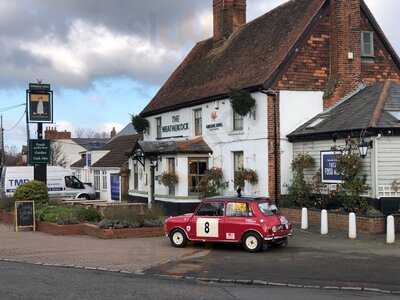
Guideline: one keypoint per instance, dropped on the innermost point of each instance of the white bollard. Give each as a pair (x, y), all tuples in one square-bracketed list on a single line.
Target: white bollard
[(324, 222), (352, 226), (304, 219), (390, 234)]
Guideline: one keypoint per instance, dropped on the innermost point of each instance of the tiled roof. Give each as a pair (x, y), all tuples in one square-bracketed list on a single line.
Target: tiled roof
[(119, 149), (367, 109), (90, 143), (248, 59), (78, 164), (195, 146)]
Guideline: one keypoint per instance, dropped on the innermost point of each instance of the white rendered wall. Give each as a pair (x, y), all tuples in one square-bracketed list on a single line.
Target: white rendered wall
[(296, 108), (252, 140)]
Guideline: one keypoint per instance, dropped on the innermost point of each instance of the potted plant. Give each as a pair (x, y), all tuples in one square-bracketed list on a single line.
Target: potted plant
[(245, 175)]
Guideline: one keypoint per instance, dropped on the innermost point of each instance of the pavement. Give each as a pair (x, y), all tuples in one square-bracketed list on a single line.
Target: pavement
[(122, 254), (323, 263), (24, 281)]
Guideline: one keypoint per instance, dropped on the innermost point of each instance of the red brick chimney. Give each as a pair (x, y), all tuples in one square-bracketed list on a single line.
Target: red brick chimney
[(345, 49), (229, 15), (51, 133)]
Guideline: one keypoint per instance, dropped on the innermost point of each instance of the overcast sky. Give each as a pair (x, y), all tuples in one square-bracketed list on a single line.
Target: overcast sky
[(106, 59)]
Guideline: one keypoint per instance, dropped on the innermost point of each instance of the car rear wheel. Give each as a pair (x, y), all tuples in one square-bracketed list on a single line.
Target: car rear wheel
[(178, 238), (252, 242)]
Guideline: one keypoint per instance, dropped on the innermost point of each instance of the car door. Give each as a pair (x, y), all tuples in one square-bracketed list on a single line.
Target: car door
[(238, 218), (207, 222)]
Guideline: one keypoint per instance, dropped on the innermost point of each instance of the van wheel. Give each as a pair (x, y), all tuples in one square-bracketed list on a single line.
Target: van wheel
[(84, 197), (178, 238), (252, 242)]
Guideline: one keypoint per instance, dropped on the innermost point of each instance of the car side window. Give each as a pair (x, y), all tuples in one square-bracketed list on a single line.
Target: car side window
[(238, 209), (211, 209)]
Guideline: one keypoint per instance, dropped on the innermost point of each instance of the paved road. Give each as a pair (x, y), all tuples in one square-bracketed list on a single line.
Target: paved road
[(309, 260), (25, 281)]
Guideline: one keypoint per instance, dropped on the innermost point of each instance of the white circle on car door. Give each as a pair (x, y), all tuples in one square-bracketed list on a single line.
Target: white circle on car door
[(207, 227)]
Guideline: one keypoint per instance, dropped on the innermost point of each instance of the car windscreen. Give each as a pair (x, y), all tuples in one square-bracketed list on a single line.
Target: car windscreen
[(268, 208)]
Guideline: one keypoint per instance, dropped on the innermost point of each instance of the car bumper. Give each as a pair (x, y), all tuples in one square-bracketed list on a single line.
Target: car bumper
[(278, 237)]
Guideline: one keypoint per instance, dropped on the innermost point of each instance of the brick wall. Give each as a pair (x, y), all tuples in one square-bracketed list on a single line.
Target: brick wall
[(273, 146)]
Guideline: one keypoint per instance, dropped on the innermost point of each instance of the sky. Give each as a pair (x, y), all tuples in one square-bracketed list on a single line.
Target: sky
[(105, 59)]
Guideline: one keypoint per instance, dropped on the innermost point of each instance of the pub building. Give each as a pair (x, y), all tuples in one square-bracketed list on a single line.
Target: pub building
[(296, 61)]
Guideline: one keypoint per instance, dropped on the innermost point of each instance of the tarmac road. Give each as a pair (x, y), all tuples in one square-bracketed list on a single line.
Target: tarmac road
[(310, 259), (26, 281)]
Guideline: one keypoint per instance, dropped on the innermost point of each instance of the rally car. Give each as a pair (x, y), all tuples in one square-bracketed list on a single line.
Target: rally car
[(248, 221)]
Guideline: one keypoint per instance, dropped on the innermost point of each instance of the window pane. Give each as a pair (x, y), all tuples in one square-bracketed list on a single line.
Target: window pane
[(197, 170), (211, 210), (367, 43), (238, 161), (104, 179), (237, 209), (237, 121)]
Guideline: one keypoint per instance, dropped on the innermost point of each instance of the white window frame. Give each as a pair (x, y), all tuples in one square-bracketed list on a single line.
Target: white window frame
[(104, 181), (96, 180), (236, 120), (198, 121), (367, 52)]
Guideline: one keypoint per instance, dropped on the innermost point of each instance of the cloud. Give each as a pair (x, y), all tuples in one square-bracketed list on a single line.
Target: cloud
[(72, 43)]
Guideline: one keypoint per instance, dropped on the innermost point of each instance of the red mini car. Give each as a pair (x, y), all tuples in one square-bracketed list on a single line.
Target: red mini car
[(249, 221)]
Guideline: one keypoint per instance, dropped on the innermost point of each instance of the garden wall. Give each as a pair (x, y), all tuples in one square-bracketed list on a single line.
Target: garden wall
[(88, 229), (338, 221)]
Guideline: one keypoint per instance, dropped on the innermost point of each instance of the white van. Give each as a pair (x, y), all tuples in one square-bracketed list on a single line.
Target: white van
[(60, 183)]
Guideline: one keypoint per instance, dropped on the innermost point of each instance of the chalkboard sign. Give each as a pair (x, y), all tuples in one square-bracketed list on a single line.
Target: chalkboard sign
[(25, 215)]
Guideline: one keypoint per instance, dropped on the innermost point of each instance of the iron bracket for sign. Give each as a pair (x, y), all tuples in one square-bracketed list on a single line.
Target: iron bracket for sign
[(140, 159)]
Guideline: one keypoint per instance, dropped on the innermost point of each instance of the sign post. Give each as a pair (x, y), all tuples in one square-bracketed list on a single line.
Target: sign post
[(39, 105)]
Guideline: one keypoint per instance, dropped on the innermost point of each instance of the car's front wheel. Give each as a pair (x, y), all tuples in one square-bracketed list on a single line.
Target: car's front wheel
[(178, 238), (252, 242)]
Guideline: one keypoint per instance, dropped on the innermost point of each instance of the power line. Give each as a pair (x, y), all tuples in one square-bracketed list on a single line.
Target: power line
[(16, 124), (3, 109)]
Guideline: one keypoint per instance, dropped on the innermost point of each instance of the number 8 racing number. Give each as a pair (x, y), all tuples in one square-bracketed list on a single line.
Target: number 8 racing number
[(207, 227)]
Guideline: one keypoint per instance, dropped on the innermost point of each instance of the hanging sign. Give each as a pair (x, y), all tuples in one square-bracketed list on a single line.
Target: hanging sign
[(328, 167), (25, 215), (40, 103)]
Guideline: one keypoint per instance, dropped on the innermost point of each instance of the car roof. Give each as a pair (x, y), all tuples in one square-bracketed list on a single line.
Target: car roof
[(233, 198)]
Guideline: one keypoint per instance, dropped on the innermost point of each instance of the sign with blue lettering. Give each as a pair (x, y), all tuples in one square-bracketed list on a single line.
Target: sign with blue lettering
[(329, 172)]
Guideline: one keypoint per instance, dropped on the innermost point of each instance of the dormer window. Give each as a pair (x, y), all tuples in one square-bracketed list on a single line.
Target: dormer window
[(315, 123), (367, 44)]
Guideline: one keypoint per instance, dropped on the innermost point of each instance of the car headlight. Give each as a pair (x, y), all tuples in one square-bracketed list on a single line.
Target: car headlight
[(274, 229)]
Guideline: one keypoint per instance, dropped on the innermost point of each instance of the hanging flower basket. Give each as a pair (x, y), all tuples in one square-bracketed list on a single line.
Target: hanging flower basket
[(169, 179), (242, 102), (244, 175), (212, 183), (140, 123)]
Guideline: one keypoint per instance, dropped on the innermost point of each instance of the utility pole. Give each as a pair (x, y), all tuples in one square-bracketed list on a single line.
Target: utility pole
[(2, 143)]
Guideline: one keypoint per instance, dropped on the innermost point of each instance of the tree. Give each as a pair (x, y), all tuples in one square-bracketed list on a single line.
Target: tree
[(90, 133), (57, 156)]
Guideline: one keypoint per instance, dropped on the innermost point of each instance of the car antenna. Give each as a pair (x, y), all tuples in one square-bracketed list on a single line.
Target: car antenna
[(239, 192)]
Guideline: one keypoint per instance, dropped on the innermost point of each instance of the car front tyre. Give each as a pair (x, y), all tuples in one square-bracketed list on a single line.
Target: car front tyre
[(178, 238), (252, 242)]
